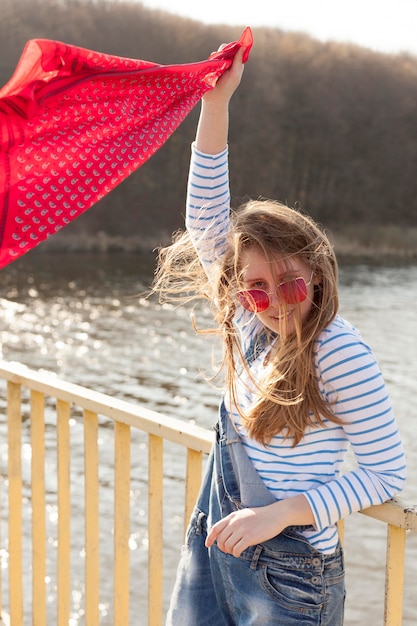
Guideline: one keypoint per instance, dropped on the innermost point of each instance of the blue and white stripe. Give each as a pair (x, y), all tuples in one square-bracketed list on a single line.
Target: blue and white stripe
[(349, 379)]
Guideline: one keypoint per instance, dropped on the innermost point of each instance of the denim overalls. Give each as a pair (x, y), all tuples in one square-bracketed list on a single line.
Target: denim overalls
[(283, 581)]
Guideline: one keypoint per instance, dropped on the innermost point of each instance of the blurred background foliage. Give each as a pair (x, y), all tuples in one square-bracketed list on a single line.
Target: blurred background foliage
[(328, 127)]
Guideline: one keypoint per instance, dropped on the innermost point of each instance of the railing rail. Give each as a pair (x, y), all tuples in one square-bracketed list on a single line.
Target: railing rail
[(29, 395)]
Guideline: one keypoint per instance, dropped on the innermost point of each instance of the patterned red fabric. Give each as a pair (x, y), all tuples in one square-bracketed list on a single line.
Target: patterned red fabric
[(74, 123)]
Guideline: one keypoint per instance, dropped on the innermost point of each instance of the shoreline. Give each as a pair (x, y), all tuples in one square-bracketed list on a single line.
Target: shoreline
[(381, 249)]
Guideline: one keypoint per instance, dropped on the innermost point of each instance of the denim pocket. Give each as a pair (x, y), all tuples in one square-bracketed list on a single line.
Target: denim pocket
[(297, 591)]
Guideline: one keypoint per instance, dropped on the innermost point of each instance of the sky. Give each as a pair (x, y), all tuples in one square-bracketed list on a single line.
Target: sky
[(385, 25)]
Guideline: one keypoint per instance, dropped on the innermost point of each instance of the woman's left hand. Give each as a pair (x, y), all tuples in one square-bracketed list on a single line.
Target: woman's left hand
[(244, 528), (248, 527)]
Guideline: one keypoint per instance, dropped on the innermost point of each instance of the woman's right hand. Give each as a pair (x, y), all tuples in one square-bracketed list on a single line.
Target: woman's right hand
[(229, 81), (213, 125)]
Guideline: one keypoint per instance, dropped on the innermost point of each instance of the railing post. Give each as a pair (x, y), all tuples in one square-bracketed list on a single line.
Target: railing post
[(341, 531), (64, 514), (155, 531), (121, 523), (15, 502), (91, 519), (192, 482), (394, 576), (38, 508)]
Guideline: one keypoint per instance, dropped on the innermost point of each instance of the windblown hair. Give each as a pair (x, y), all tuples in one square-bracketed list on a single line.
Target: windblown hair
[(289, 399)]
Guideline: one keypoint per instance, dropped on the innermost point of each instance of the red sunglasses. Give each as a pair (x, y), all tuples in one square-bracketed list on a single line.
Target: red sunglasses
[(290, 292)]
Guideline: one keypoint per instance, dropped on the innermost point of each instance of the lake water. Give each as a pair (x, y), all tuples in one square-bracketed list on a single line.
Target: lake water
[(84, 318)]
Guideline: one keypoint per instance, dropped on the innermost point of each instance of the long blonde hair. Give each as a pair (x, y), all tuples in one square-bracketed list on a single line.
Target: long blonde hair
[(289, 399)]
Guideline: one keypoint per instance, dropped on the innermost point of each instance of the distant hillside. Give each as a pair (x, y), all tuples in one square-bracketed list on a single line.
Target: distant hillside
[(330, 127)]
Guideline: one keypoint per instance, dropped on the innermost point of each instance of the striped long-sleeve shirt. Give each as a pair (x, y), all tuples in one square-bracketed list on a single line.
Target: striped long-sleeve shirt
[(348, 378)]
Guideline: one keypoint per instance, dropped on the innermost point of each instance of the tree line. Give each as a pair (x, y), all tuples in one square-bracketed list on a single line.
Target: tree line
[(328, 127)]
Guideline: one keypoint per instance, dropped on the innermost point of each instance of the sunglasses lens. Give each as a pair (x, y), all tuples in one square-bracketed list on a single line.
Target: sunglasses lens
[(254, 300), (257, 301), (293, 291)]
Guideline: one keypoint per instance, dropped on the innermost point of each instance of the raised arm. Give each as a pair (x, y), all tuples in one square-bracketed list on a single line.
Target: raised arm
[(208, 196)]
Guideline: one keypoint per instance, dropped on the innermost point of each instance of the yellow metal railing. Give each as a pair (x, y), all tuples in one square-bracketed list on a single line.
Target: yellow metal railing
[(41, 412)]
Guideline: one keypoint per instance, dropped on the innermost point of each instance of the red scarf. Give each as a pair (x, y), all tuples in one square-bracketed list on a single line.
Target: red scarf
[(74, 123)]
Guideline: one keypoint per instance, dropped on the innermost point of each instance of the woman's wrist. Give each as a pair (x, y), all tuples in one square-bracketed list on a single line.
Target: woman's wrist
[(295, 511)]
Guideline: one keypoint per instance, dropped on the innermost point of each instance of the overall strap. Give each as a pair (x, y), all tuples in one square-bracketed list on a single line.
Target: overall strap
[(257, 344)]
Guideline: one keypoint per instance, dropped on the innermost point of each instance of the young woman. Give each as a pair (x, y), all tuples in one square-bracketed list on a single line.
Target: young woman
[(300, 386)]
